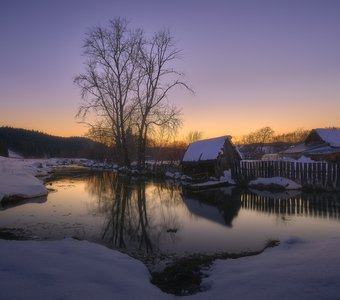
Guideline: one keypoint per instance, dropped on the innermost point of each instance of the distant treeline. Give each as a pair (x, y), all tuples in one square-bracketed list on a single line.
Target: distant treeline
[(35, 144)]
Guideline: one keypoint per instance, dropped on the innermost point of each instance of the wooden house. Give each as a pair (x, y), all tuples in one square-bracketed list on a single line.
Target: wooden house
[(210, 157), (320, 144)]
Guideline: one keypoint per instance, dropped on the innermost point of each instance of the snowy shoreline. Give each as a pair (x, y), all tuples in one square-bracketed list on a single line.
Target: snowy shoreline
[(23, 178), (72, 269)]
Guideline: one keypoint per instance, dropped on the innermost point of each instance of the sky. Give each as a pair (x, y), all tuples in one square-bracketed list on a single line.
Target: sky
[(251, 63)]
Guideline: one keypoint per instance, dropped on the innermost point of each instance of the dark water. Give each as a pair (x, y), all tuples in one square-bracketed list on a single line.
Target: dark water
[(160, 217)]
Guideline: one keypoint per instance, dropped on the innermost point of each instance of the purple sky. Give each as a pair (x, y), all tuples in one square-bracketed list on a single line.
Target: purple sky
[(251, 63)]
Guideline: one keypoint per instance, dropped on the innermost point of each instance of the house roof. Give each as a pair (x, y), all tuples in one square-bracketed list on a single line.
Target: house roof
[(323, 151), (330, 136), (205, 149), (300, 148), (330, 140)]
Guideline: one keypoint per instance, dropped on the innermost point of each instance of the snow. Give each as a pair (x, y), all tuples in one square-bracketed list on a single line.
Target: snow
[(302, 159), (18, 179), (214, 182), (227, 177), (205, 149), (330, 136), (13, 154), (175, 175), (296, 269), (18, 176), (281, 181), (206, 184), (71, 269)]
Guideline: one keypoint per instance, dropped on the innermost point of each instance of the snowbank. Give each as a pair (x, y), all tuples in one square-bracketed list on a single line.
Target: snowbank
[(71, 269), (277, 181), (13, 154), (295, 270), (17, 178)]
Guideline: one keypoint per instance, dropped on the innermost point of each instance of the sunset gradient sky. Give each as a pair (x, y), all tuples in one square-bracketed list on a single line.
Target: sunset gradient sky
[(251, 63)]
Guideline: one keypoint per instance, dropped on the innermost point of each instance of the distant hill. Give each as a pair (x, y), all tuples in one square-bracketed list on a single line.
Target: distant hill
[(35, 144)]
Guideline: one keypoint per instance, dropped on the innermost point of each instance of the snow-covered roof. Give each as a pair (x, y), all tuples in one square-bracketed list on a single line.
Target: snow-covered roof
[(330, 136), (299, 148), (205, 149), (323, 151)]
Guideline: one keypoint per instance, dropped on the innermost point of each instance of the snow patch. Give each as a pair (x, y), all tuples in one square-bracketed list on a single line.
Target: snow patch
[(13, 154), (280, 181), (70, 269), (227, 177), (17, 179)]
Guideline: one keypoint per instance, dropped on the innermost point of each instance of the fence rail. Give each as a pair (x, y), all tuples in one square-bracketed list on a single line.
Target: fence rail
[(318, 175)]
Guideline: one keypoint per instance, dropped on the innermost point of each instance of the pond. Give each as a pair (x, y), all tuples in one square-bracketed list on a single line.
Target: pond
[(161, 217)]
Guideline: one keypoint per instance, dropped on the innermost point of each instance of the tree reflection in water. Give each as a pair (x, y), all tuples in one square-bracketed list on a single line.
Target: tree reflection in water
[(137, 214), (159, 217)]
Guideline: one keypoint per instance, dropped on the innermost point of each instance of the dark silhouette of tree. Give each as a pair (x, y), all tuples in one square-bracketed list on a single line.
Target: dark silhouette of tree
[(107, 84), (156, 78), (194, 136), (125, 86)]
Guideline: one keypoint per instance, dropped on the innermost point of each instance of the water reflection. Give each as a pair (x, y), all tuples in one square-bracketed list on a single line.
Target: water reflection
[(6, 204), (143, 216), (220, 205), (130, 220), (315, 205), (161, 217)]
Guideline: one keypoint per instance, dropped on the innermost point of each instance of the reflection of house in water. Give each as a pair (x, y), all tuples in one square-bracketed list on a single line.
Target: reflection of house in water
[(316, 204), (203, 210), (217, 205)]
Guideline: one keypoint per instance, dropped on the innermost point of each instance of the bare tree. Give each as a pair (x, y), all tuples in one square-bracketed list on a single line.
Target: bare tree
[(106, 86), (155, 80), (256, 140), (260, 136), (100, 132), (297, 136), (126, 85), (194, 136)]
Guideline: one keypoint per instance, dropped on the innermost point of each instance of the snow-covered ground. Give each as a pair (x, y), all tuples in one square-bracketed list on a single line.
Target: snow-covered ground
[(71, 269), (17, 178)]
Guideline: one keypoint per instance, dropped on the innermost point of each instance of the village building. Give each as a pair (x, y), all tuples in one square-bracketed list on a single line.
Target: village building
[(321, 144), (210, 157)]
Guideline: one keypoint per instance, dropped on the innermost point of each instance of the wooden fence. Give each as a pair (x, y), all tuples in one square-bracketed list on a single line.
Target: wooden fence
[(316, 175)]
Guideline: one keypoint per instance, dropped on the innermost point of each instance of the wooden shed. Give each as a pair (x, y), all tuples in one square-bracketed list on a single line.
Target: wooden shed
[(320, 144), (210, 157)]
